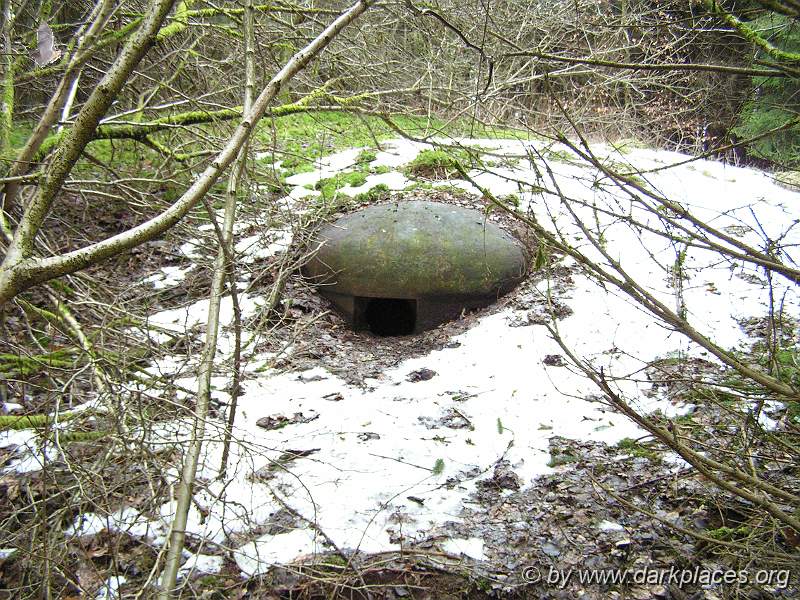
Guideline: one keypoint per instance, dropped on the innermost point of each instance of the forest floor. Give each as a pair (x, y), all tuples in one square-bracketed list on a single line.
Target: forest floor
[(473, 460)]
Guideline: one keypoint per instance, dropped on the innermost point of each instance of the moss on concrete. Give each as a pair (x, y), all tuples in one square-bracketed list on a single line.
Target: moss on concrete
[(417, 250)]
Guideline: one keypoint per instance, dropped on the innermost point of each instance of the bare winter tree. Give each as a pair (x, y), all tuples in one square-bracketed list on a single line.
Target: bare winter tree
[(131, 51), (148, 108), (20, 269)]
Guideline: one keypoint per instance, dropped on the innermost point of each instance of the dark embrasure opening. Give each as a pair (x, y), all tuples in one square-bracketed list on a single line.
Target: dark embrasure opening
[(386, 316)]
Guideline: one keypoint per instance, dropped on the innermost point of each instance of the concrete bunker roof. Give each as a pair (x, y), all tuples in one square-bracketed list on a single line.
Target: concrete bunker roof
[(405, 266)]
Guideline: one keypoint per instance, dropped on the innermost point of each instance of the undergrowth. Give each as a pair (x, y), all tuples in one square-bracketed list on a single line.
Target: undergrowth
[(438, 164), (298, 140)]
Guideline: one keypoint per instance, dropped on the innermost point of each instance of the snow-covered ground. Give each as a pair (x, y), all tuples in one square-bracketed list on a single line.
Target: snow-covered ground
[(353, 457)]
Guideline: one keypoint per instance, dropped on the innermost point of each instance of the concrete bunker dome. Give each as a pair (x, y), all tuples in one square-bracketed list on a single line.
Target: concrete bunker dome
[(404, 267)]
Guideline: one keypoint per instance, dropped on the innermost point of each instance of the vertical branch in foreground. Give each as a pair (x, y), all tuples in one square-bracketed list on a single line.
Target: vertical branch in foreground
[(230, 208), (7, 85), (192, 455), (223, 266)]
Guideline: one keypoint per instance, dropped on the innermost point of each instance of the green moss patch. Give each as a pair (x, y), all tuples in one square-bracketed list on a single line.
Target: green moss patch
[(438, 164), (330, 185), (561, 458), (375, 194), (365, 157), (14, 365)]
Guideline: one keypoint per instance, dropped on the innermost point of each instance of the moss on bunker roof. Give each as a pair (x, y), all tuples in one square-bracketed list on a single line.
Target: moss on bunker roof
[(416, 249)]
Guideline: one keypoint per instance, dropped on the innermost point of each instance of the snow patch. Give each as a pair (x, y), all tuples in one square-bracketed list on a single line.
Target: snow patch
[(201, 563), (471, 547), (110, 588), (610, 526), (365, 468), (167, 277), (256, 557)]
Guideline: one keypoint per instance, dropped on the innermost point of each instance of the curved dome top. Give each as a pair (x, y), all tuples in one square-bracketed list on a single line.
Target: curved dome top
[(416, 249)]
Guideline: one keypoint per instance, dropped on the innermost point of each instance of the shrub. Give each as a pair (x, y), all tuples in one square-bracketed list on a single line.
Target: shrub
[(774, 100)]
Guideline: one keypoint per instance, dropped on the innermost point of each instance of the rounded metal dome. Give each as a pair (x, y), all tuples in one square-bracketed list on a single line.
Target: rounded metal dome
[(446, 257)]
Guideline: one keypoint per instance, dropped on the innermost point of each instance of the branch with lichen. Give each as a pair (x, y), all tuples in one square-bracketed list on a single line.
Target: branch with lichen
[(15, 422), (142, 132), (7, 92), (179, 23), (752, 36)]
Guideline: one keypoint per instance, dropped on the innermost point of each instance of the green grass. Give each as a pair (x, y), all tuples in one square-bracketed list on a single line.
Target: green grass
[(300, 139), (303, 138), (120, 155), (116, 152), (627, 145), (330, 185), (418, 185), (296, 163), (559, 155)]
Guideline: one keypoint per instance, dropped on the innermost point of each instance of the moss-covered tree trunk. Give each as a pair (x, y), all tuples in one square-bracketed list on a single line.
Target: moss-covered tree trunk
[(7, 91)]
